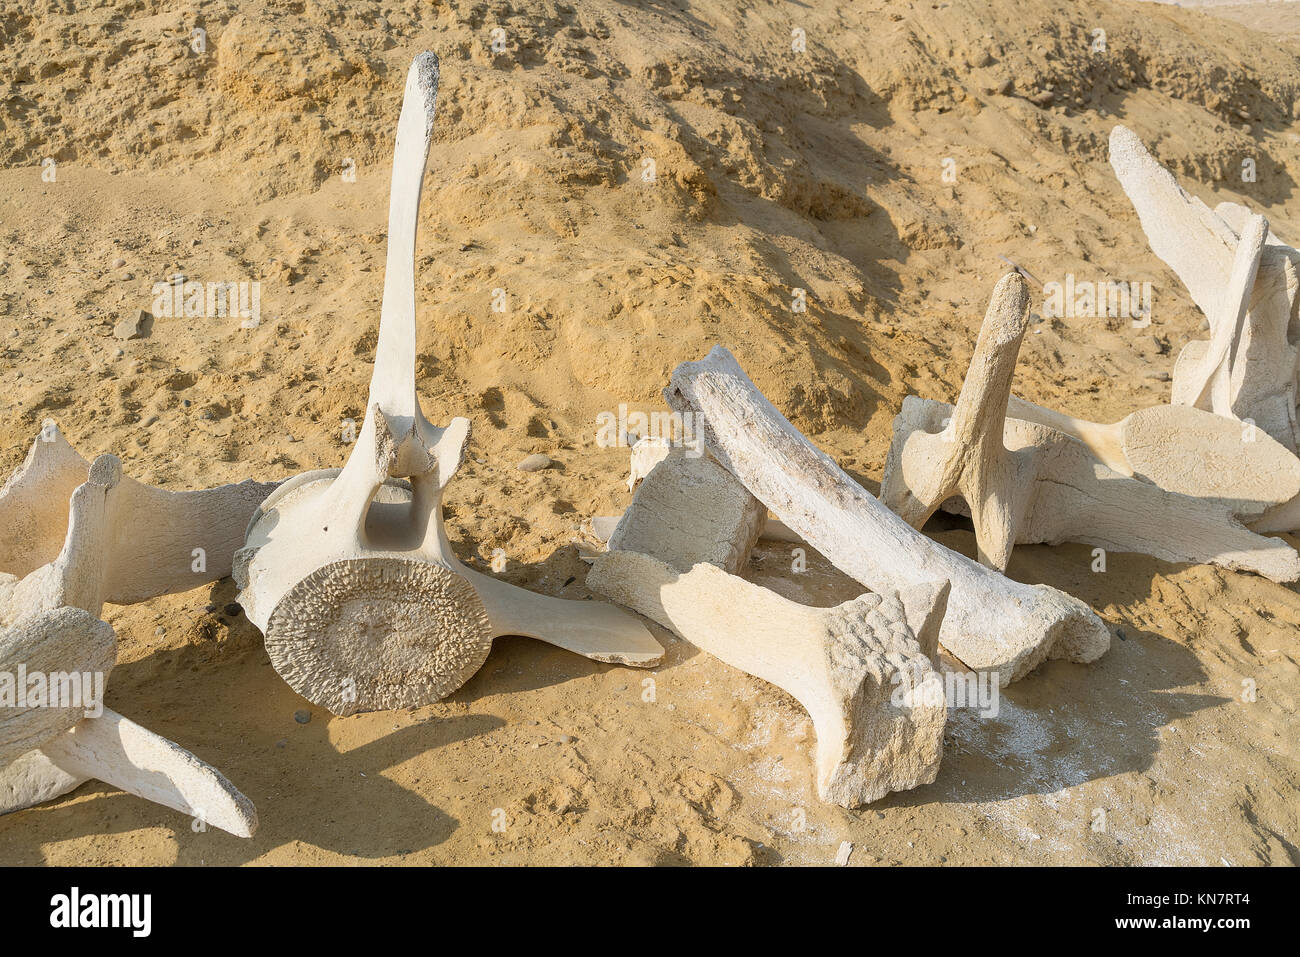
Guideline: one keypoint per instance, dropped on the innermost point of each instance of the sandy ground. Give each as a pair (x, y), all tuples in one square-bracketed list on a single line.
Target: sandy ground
[(775, 170)]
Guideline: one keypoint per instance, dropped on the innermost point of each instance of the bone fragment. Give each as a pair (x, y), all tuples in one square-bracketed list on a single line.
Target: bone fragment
[(690, 510), (993, 624), (1024, 482), (875, 700)]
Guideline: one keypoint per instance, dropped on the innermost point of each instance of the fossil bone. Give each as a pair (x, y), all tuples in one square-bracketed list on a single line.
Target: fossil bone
[(1024, 482), (689, 510), (1185, 450), (1246, 287), (157, 542), (117, 751), (646, 454), (773, 530), (876, 703), (993, 624), (49, 625), (349, 573)]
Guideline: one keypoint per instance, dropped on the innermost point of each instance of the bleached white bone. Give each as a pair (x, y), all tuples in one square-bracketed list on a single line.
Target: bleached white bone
[(993, 624), (349, 573), (774, 530), (63, 642), (49, 624), (117, 751), (1024, 482), (155, 542), (1185, 450), (876, 703), (646, 454), (50, 746), (690, 510), (1201, 246), (1228, 326)]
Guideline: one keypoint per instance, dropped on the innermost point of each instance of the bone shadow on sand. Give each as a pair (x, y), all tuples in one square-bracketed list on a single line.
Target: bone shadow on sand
[(1040, 741), (305, 788)]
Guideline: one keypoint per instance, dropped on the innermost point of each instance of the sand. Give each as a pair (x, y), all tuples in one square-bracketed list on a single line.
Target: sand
[(774, 170)]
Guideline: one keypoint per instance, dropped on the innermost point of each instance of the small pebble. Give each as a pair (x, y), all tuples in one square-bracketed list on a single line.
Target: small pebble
[(234, 609), (302, 716), (210, 609), (119, 262), (567, 739), (535, 463), (133, 327), (160, 631)]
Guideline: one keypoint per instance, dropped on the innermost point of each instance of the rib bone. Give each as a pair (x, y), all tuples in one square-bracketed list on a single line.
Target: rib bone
[(349, 573), (992, 624), (876, 703)]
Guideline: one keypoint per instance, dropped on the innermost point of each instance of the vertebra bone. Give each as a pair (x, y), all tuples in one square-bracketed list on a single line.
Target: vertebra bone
[(1185, 450), (349, 573), (152, 543), (1024, 482), (48, 623), (1226, 268)]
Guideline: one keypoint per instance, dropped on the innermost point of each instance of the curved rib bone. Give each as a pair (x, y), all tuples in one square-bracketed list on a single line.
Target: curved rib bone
[(992, 624), (1024, 482), (349, 573), (876, 703)]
